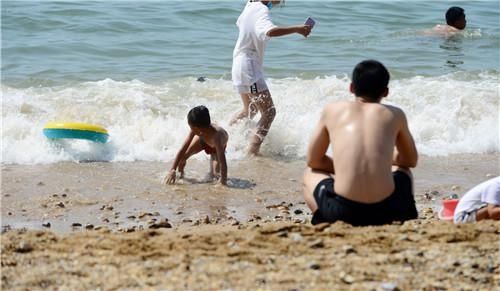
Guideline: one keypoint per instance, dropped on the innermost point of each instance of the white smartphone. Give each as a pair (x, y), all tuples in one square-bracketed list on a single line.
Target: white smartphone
[(310, 22)]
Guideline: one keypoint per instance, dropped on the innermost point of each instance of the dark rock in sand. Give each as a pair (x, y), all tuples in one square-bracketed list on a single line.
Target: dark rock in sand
[(161, 224), (348, 249), (316, 244), (144, 214), (24, 247)]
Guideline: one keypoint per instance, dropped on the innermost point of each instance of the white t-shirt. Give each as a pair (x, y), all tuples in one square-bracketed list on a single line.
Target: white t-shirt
[(248, 55), (487, 192)]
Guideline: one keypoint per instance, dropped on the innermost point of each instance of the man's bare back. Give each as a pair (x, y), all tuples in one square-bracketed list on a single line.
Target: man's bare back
[(367, 180), (363, 136)]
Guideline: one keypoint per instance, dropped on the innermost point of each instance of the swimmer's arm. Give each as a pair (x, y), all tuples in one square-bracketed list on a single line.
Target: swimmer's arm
[(405, 153), (318, 146), (281, 31), (221, 156)]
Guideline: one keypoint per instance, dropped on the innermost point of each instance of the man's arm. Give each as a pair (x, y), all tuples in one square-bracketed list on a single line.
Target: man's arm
[(405, 154), (305, 30), (221, 156), (318, 146)]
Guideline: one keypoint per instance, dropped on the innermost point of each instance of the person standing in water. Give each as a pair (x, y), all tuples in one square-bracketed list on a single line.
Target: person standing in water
[(255, 30)]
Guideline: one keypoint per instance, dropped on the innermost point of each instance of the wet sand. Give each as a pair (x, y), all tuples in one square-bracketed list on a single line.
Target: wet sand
[(71, 223), (130, 195)]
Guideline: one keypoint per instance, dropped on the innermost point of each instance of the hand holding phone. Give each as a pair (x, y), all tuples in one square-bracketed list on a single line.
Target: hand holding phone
[(310, 22)]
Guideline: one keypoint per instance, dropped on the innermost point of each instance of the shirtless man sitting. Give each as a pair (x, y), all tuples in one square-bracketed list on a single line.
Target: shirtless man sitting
[(367, 181)]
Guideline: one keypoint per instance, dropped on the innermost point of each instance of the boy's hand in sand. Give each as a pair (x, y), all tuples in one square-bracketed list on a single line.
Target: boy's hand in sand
[(170, 178)]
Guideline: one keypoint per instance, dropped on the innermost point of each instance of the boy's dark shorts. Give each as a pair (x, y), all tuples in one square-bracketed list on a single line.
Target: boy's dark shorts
[(399, 206)]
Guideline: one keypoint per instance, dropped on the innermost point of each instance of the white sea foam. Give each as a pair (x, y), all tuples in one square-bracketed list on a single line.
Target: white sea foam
[(456, 113)]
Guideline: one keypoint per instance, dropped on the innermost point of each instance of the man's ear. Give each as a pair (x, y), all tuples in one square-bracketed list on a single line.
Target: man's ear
[(386, 92), (351, 88)]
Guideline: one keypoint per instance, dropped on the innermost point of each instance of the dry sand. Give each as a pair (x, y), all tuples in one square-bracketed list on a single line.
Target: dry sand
[(418, 255), (114, 226)]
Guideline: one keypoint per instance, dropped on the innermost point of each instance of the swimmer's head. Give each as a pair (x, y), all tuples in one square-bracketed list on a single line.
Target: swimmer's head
[(455, 16)]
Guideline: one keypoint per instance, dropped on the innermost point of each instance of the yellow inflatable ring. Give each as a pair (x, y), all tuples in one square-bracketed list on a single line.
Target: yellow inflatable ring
[(92, 132)]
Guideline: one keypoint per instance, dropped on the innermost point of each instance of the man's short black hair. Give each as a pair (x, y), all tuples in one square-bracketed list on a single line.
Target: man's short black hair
[(199, 116), (454, 14), (370, 79)]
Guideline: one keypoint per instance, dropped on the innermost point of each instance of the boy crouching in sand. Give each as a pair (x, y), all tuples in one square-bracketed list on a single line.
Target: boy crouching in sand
[(367, 180), (479, 203), (206, 136)]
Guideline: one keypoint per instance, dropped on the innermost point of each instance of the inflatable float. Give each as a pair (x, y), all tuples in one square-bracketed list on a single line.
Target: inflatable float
[(75, 130)]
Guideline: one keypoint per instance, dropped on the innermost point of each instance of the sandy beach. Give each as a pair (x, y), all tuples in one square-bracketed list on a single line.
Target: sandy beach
[(71, 223)]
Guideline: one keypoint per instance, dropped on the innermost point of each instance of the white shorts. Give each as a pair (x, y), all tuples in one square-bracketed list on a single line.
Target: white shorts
[(255, 88), (467, 216)]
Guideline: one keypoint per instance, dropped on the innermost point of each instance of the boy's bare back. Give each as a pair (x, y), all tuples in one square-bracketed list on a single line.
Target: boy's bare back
[(218, 138)]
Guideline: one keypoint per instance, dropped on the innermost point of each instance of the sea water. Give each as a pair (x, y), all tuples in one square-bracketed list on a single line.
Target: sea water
[(134, 67)]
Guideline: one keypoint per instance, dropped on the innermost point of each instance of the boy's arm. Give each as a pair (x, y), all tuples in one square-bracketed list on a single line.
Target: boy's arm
[(318, 146), (493, 211), (170, 178), (405, 154), (182, 151), (305, 30), (221, 156)]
